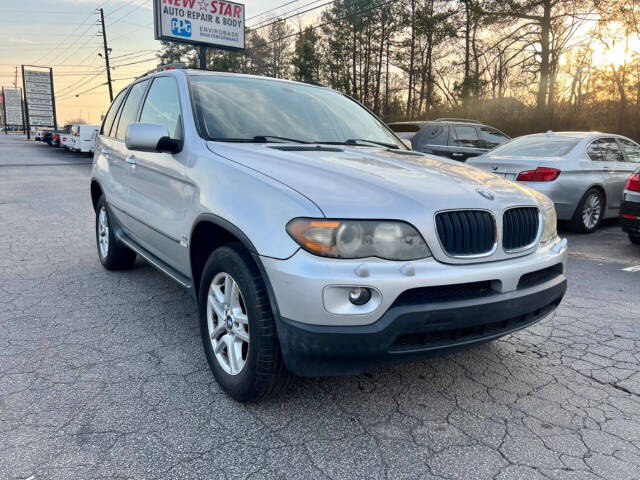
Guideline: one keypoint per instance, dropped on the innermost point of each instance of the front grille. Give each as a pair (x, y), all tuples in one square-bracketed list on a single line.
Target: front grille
[(519, 227), (466, 232)]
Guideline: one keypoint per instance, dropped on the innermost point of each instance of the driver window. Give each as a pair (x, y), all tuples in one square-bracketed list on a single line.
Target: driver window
[(162, 106)]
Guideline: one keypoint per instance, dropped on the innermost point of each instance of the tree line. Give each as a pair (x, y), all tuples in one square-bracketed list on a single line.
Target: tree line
[(521, 65)]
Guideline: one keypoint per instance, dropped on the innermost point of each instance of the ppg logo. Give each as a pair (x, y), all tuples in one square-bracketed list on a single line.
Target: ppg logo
[(182, 28)]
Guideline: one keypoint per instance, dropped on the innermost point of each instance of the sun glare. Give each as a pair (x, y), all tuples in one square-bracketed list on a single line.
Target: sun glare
[(614, 48)]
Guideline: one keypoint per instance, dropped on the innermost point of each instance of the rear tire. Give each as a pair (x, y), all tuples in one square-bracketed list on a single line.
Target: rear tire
[(113, 256), (589, 213), (634, 238), (244, 328)]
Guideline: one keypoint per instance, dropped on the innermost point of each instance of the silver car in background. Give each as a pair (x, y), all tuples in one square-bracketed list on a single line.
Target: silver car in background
[(583, 173)]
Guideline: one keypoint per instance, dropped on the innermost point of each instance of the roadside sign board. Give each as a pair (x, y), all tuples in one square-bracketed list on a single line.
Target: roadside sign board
[(38, 87), (12, 106), (208, 23)]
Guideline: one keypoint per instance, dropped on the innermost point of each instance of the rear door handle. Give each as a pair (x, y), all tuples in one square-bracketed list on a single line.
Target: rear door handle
[(131, 159)]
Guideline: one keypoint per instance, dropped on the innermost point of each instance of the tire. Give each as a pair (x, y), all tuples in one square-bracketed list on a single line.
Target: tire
[(113, 256), (259, 370), (634, 238), (589, 213)]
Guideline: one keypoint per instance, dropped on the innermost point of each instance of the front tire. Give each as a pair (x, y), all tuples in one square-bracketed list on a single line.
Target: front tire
[(113, 256), (238, 328), (589, 213)]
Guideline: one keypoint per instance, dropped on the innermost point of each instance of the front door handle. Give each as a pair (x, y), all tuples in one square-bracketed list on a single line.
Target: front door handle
[(131, 159)]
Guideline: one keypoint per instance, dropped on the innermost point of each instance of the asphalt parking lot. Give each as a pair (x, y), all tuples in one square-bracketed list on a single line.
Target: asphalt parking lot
[(102, 374)]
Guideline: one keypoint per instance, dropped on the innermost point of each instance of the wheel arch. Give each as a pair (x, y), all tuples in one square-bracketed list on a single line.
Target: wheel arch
[(209, 232), (96, 193), (599, 188)]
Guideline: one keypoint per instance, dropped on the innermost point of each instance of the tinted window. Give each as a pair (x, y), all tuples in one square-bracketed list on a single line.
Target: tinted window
[(129, 111), (537, 146), (463, 136), (241, 108), (111, 114), (432, 134), (593, 150), (162, 106), (610, 150), (492, 137), (404, 127), (632, 149)]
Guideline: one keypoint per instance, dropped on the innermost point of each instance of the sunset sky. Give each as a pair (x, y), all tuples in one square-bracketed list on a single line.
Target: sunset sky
[(64, 35)]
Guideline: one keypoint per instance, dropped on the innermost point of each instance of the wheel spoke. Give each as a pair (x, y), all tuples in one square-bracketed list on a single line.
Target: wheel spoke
[(228, 287), (222, 343), (218, 309), (240, 317), (242, 335), (214, 332), (232, 354)]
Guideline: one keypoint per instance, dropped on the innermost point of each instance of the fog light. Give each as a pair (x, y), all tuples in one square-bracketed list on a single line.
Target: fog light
[(359, 295)]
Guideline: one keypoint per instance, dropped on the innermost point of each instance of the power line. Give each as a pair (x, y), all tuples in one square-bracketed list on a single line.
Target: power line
[(354, 14), (270, 10), (273, 21)]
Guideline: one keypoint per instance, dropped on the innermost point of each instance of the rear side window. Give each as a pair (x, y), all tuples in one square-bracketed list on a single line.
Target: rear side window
[(632, 149), (593, 150), (492, 137), (405, 127), (130, 108), (610, 150), (111, 114), (463, 136), (432, 135), (162, 106)]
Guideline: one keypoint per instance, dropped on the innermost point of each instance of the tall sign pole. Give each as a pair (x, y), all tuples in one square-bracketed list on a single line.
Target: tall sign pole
[(106, 55), (4, 113), (53, 103), (26, 105)]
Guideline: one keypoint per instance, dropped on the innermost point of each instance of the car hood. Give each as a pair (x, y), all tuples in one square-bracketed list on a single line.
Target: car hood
[(363, 182)]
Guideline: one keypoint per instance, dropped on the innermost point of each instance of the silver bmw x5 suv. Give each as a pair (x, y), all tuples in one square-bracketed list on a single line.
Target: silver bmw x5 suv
[(312, 240)]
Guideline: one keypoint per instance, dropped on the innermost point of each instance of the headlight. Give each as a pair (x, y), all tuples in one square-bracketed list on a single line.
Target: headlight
[(390, 240), (549, 225)]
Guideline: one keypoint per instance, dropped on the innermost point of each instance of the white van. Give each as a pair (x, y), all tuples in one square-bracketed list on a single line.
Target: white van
[(82, 138)]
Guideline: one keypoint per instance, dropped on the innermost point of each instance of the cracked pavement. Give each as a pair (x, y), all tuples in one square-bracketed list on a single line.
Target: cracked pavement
[(102, 374)]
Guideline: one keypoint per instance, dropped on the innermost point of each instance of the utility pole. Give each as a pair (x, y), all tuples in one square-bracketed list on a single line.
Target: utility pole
[(106, 55), (15, 80)]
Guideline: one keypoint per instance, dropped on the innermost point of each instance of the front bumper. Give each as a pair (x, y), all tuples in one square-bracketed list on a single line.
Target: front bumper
[(425, 307), (413, 329)]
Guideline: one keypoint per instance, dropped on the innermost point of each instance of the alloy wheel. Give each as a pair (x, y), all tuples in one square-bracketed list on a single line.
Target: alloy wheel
[(228, 323), (592, 210), (103, 232)]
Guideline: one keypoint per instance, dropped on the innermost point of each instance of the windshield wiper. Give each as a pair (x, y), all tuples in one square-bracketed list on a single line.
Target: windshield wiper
[(362, 141), (258, 139)]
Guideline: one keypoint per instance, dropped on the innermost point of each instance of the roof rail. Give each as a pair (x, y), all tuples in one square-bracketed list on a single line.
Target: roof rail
[(464, 120), (167, 66)]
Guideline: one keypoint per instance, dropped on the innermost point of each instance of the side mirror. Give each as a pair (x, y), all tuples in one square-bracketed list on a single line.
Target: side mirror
[(149, 137), (407, 143)]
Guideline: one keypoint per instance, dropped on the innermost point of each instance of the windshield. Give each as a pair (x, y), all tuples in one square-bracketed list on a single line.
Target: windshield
[(238, 108), (538, 146)]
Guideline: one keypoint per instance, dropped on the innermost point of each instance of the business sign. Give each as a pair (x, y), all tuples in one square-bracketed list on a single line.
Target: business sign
[(39, 103), (12, 106), (209, 23)]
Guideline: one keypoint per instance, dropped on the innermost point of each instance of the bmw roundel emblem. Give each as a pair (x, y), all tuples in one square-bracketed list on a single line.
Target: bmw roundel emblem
[(486, 194)]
